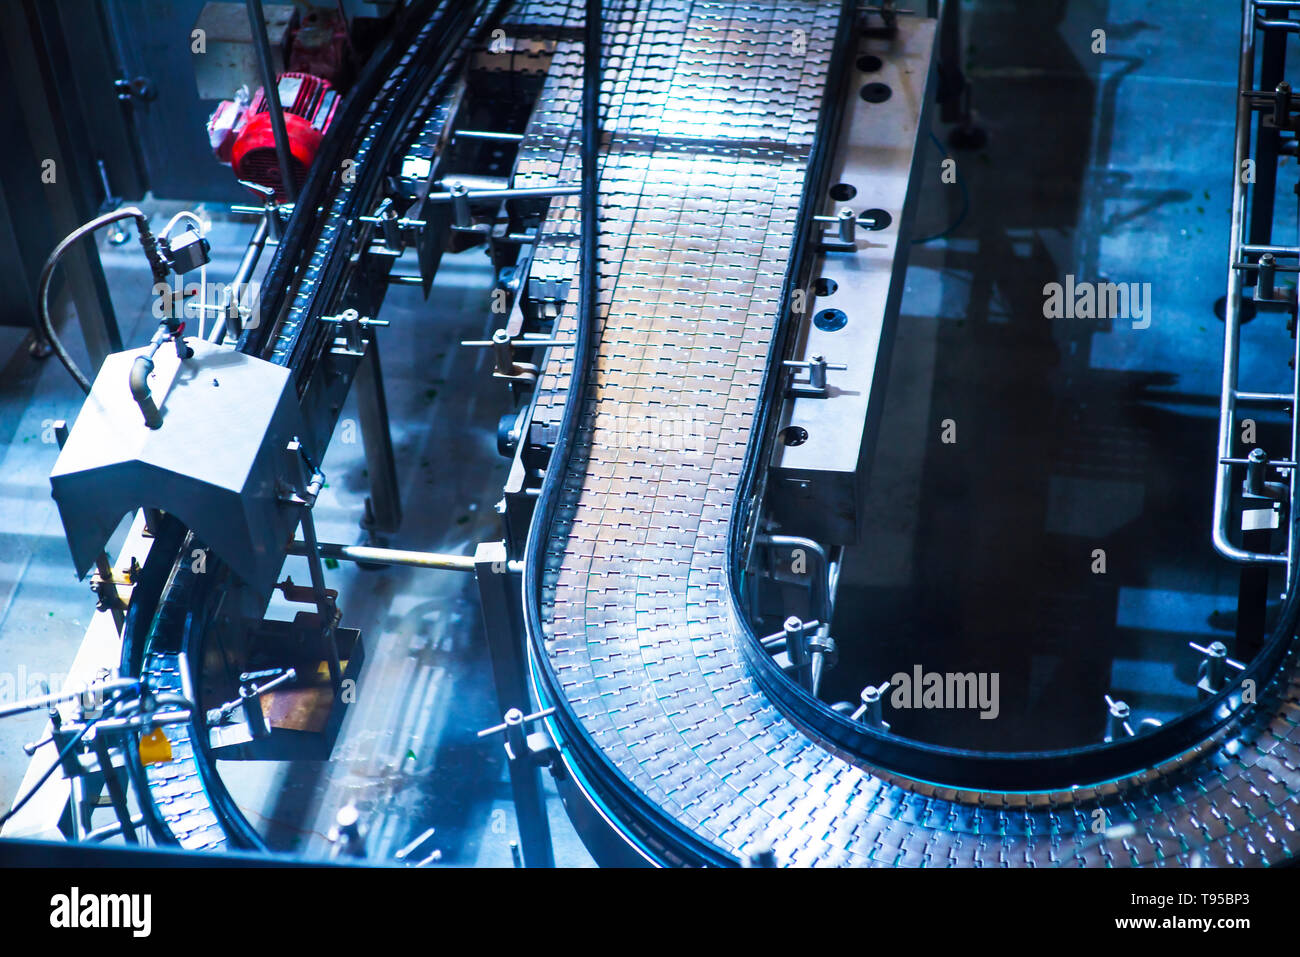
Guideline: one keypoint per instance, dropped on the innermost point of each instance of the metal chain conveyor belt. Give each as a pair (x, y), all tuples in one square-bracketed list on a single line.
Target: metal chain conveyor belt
[(708, 124)]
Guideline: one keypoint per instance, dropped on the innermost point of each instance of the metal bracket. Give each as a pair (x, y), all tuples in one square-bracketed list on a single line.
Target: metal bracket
[(503, 349), (1212, 674), (351, 323), (870, 712), (536, 746), (845, 224), (815, 386)]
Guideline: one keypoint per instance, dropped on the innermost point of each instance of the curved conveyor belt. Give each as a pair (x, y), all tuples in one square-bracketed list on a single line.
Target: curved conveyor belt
[(711, 138)]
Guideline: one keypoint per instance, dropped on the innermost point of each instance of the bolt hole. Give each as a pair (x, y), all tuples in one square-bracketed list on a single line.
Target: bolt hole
[(831, 320), (874, 219), (793, 435), (876, 92), (843, 192), (869, 64), (823, 287)]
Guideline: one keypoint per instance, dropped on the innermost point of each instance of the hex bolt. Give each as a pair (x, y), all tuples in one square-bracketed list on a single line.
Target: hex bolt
[(762, 857), (516, 739), (350, 320), (1282, 106), (822, 655), (1216, 660), (346, 833)]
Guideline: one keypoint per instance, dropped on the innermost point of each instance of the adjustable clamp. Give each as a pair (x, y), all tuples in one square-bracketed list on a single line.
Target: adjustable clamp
[(521, 745), (1212, 673), (249, 695), (350, 323), (503, 354), (814, 387), (871, 711)]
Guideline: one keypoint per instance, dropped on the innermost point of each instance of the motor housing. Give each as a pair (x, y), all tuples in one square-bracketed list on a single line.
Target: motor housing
[(246, 139)]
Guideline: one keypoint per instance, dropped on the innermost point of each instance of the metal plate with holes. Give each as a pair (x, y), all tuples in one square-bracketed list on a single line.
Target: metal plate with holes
[(817, 487), (709, 121)]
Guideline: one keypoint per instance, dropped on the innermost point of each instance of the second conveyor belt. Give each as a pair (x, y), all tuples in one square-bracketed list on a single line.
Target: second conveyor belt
[(709, 118)]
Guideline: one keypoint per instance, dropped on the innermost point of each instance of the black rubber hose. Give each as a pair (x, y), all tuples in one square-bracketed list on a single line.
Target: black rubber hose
[(156, 266)]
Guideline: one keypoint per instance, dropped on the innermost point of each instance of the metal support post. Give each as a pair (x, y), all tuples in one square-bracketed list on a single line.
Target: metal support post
[(385, 502), (499, 595), (116, 792), (262, 46), (1268, 140), (324, 604)]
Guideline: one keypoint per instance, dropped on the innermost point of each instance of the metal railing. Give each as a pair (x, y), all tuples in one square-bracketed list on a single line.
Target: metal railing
[(1254, 180)]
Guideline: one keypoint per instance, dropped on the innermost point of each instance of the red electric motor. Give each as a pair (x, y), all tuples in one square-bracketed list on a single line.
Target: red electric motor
[(245, 138)]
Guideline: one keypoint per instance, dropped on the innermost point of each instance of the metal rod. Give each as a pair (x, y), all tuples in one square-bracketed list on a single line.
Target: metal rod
[(487, 135), (324, 604), (822, 580), (523, 192), (242, 210), (110, 830), (385, 510), (116, 791), (246, 266), (1269, 397), (499, 600), (271, 90), (372, 555), (521, 343), (1259, 249), (44, 701), (1288, 26)]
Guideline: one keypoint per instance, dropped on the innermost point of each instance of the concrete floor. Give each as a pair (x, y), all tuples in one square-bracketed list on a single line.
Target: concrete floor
[(1072, 435)]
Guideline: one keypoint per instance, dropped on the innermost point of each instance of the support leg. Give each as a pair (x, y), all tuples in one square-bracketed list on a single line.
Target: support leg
[(384, 507), (499, 594)]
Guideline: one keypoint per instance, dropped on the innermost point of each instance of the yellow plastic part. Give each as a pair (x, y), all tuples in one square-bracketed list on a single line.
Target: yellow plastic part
[(155, 748)]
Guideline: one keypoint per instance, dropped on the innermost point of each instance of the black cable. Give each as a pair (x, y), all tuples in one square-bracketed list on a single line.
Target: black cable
[(965, 202), (156, 265), (58, 763)]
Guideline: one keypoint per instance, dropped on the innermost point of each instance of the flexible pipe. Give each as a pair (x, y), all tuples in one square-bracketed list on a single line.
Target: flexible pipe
[(156, 265)]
